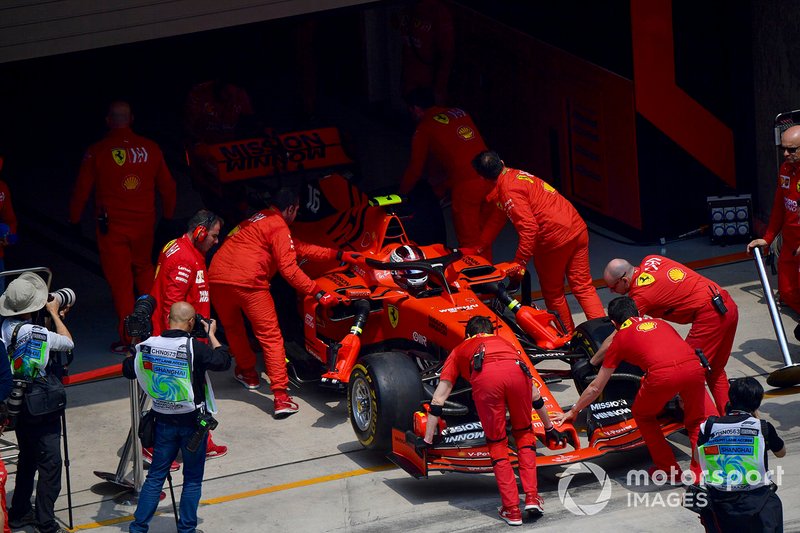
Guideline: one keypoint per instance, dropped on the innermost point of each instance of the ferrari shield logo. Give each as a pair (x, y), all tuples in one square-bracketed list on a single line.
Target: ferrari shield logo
[(441, 118), (644, 279), (394, 315), (119, 155)]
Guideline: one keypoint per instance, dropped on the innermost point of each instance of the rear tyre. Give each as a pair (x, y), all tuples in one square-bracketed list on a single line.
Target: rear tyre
[(384, 391)]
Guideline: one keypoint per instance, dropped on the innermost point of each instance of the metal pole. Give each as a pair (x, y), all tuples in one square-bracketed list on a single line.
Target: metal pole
[(777, 323), (136, 412)]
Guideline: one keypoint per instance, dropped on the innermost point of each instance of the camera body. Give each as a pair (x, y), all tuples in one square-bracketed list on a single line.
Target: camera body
[(205, 423), (199, 330), (140, 322)]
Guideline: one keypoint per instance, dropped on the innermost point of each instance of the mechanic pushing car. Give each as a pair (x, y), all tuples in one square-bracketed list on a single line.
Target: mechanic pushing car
[(500, 380), (239, 279), (666, 289), (550, 231), (671, 367)]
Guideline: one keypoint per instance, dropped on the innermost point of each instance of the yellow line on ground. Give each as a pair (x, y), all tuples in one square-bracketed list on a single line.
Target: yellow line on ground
[(251, 493), (295, 484)]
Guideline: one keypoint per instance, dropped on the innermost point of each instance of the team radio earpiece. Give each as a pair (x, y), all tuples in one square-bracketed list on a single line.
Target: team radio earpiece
[(201, 232)]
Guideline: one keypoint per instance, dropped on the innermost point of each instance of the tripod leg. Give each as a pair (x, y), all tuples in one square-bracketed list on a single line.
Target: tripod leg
[(66, 465), (172, 495)]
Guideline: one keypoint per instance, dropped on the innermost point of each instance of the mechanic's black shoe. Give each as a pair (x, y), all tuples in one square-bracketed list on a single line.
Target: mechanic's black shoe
[(25, 520), (511, 515), (284, 406)]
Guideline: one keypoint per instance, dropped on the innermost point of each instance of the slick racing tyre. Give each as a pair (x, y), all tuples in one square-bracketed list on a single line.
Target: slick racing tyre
[(624, 383), (384, 391)]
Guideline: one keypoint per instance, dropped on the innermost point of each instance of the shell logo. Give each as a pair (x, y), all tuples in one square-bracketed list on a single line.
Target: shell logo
[(131, 182), (676, 274), (646, 326), (466, 133)]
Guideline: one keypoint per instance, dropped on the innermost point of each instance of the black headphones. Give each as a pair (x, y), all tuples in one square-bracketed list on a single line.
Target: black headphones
[(201, 231)]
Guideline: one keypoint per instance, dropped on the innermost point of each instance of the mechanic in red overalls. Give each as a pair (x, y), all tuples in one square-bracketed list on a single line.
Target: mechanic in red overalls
[(785, 219), (428, 47), (671, 367), (444, 144), (239, 278), (181, 277), (500, 382), (214, 110), (125, 170), (666, 289), (550, 231)]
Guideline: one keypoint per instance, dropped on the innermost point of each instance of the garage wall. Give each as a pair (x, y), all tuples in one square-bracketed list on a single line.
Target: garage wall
[(36, 28)]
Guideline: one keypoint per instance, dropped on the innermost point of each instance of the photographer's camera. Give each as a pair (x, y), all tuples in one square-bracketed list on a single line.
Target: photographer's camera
[(140, 322)]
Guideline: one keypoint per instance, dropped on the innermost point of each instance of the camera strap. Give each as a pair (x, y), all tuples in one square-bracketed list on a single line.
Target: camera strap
[(13, 344)]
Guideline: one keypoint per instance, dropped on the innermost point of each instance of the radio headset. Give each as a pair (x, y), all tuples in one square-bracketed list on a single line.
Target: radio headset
[(201, 231)]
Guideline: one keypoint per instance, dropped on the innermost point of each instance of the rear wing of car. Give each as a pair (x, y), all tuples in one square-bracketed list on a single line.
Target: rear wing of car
[(280, 153)]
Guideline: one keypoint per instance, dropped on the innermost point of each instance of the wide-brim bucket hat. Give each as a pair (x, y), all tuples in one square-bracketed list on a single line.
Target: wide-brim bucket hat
[(26, 294)]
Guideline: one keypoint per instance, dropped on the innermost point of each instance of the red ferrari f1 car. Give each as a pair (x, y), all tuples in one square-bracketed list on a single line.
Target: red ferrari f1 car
[(386, 343)]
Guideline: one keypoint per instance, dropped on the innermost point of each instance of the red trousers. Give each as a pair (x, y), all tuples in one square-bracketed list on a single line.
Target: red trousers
[(658, 387), (501, 385), (789, 276), (3, 479), (571, 261), (471, 210), (125, 255), (713, 333), (257, 305)]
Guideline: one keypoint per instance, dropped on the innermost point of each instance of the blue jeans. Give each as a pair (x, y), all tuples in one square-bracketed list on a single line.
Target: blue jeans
[(169, 439)]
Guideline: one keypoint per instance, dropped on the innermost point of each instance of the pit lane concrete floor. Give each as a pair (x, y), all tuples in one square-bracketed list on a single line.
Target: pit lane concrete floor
[(308, 473)]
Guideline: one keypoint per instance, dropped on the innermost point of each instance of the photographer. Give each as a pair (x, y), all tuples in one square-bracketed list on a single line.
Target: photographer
[(38, 437), (172, 372), (181, 277)]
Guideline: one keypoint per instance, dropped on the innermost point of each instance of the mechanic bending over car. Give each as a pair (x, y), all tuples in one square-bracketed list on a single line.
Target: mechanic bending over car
[(500, 380), (550, 231), (670, 365), (666, 289), (239, 280)]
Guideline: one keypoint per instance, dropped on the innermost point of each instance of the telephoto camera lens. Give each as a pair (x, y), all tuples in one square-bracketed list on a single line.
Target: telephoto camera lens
[(64, 297), (144, 306), (14, 401)]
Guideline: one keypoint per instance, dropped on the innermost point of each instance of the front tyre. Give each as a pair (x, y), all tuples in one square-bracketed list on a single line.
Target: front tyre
[(383, 392)]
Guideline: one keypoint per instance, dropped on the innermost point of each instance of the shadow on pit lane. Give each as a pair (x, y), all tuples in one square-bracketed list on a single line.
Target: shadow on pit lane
[(783, 416), (765, 348)]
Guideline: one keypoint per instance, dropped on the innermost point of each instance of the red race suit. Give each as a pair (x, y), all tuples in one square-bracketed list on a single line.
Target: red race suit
[(551, 232), (785, 218), (239, 277), (180, 277), (671, 367), (666, 289), (445, 142), (501, 384), (125, 170)]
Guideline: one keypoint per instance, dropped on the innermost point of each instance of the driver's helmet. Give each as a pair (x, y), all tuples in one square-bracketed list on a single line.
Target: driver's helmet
[(408, 279)]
